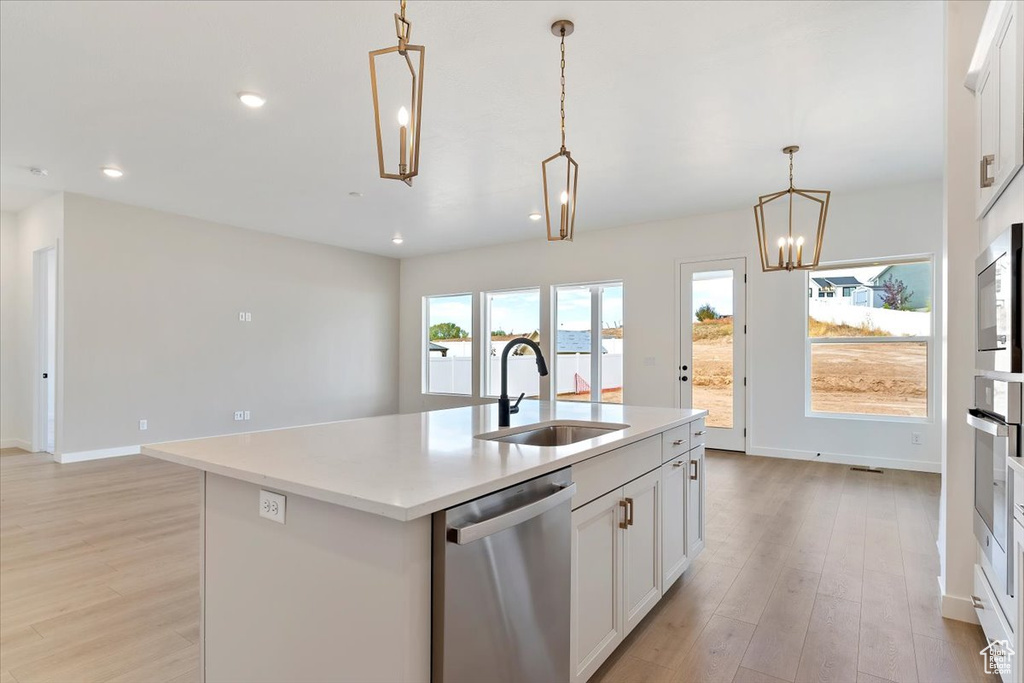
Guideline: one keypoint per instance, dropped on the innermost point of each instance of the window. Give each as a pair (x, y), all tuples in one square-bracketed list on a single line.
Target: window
[(589, 343), (449, 344), (869, 355), (848, 291), (508, 315)]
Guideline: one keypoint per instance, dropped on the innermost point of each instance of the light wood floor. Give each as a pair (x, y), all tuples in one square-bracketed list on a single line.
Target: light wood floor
[(812, 573)]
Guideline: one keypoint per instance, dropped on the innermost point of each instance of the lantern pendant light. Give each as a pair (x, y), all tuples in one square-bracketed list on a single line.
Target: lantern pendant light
[(791, 251), (561, 164), (407, 117)]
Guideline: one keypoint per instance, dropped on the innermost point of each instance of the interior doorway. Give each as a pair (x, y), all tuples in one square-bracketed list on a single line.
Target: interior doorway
[(44, 306), (712, 347)]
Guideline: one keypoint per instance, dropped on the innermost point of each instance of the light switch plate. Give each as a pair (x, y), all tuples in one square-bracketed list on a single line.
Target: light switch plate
[(143, 425), (245, 415), (915, 438), (272, 506)]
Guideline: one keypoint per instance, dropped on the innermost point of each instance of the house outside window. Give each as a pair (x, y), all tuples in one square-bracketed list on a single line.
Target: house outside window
[(589, 343), (508, 315), (869, 350), (448, 348)]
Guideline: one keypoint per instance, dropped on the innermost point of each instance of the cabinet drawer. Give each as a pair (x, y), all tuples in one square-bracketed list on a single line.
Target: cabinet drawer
[(698, 433), (608, 471), (990, 614), (675, 442)]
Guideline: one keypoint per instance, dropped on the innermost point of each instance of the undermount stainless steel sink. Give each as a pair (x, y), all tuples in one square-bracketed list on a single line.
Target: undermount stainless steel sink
[(561, 433)]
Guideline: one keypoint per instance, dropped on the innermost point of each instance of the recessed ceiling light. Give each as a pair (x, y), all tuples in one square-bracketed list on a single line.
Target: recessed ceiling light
[(252, 100), (112, 171), (397, 239), (535, 216), (41, 172)]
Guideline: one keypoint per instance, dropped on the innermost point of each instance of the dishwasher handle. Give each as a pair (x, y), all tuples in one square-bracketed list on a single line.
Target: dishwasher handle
[(487, 527)]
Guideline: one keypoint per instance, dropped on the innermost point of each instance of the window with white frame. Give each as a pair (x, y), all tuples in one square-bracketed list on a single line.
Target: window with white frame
[(868, 351), (508, 315), (448, 348), (589, 343)]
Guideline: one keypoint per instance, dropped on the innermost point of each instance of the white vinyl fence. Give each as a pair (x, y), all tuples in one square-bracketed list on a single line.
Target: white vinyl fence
[(898, 323), (454, 375)]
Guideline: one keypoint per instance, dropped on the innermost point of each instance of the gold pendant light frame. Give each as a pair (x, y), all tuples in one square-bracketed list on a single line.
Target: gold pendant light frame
[(788, 260), (409, 146), (567, 200)]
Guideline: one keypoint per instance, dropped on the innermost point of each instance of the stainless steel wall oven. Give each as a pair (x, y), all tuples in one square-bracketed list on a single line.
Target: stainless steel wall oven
[(998, 336), (996, 419)]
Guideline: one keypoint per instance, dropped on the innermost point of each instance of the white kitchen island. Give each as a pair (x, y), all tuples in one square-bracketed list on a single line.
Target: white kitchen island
[(341, 591)]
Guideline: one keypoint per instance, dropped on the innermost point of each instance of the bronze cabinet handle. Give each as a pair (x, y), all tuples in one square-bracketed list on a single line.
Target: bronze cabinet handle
[(700, 432), (678, 464), (986, 161), (696, 468), (624, 524), (629, 520)]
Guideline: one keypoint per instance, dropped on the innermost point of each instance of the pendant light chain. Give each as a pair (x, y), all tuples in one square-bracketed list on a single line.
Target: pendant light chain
[(790, 168), (563, 88)]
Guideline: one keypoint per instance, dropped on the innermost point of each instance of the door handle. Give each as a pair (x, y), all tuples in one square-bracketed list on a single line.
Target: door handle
[(624, 524), (986, 161), (696, 468)]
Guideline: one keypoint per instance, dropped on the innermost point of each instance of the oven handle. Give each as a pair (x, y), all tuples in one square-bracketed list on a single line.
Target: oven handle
[(987, 424)]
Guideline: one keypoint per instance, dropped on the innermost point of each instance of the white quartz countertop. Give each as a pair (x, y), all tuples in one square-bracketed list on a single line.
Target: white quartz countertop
[(408, 466)]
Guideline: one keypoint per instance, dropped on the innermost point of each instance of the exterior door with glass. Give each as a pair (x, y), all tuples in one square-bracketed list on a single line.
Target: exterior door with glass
[(712, 347)]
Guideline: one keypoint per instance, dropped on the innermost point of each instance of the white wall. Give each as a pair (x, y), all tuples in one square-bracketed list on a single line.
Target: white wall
[(11, 433), (151, 329), (885, 222), (37, 227)]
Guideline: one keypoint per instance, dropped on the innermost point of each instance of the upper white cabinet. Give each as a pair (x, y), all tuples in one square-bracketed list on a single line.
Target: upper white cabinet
[(997, 79)]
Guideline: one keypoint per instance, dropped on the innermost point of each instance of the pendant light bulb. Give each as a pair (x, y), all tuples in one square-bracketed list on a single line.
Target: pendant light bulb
[(800, 241), (782, 242), (403, 117), (565, 197)]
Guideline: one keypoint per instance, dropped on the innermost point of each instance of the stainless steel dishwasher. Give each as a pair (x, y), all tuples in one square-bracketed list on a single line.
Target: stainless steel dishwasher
[(501, 585)]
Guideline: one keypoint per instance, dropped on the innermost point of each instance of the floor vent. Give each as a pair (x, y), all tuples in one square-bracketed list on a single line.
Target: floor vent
[(873, 470)]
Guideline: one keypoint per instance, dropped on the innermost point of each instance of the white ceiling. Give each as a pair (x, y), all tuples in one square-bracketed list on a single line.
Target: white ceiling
[(673, 109)]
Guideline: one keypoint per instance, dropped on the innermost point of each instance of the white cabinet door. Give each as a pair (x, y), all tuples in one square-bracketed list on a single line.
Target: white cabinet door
[(596, 621), (987, 113), (1006, 60), (641, 549), (695, 504), (999, 104), (675, 480)]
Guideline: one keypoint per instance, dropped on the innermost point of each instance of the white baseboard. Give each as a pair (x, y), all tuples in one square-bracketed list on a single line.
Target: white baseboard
[(956, 607), (846, 459), (16, 443), (98, 454)]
